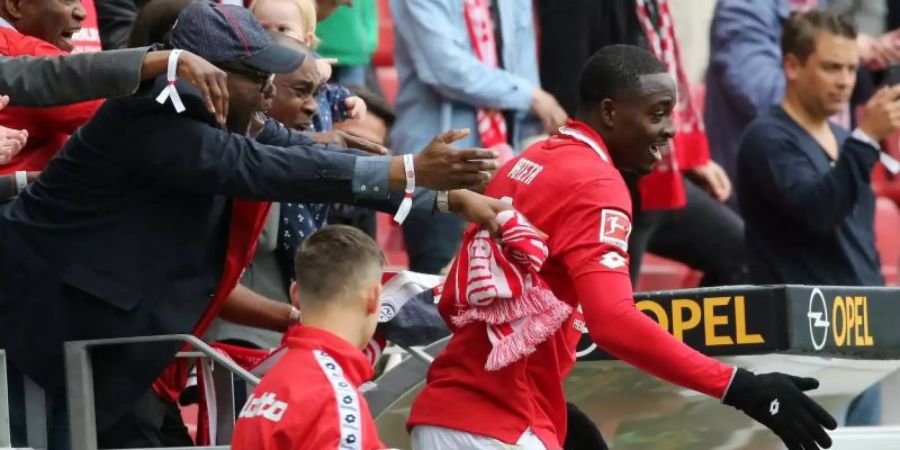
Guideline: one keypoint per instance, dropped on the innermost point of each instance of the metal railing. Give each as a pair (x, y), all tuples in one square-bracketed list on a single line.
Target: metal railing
[(34, 404), (80, 386)]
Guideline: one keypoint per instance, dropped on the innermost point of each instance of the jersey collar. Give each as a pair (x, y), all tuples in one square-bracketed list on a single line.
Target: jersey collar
[(353, 361)]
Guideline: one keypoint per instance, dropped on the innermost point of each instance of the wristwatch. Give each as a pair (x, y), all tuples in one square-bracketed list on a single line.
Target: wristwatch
[(443, 201)]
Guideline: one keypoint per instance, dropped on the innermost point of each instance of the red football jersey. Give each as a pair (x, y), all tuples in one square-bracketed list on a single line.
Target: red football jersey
[(568, 188), (48, 128), (310, 399)]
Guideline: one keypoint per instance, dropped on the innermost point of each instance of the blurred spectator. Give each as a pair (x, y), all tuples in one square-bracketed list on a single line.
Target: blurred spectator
[(746, 34), (805, 182), (374, 126), (325, 8), (295, 18), (334, 103), (350, 35), (115, 18), (572, 31), (154, 22), (868, 15), (41, 28), (671, 207), (377, 122), (310, 399), (464, 64), (893, 15)]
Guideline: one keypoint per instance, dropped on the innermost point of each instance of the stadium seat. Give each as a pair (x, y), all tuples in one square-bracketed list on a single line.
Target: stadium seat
[(384, 53), (390, 238), (658, 273), (883, 183), (887, 238)]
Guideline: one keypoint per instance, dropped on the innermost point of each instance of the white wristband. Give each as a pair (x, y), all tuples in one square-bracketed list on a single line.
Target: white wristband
[(21, 181), (406, 204), (170, 91)]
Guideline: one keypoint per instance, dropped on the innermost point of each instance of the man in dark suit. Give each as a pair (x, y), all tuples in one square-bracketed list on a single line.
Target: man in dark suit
[(125, 233)]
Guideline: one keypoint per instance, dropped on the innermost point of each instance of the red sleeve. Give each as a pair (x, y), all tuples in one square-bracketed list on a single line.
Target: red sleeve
[(626, 333), (58, 119), (592, 244)]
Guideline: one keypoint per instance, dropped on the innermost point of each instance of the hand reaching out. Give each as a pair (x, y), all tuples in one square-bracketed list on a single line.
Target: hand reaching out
[(11, 141)]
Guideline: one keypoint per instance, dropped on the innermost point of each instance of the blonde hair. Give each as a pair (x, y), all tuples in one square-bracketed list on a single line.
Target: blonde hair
[(307, 16)]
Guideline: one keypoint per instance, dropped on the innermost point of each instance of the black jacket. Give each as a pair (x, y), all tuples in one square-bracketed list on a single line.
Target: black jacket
[(807, 221), (125, 234)]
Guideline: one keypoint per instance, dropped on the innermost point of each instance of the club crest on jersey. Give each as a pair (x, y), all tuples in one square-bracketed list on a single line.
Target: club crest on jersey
[(615, 227)]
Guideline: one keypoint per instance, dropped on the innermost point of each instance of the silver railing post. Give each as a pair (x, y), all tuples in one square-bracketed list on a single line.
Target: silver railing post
[(80, 385)]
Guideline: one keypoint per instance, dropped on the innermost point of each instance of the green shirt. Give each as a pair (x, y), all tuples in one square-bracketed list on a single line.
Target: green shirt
[(350, 34)]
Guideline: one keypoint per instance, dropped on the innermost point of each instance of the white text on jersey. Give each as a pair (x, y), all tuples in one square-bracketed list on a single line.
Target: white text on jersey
[(525, 171), (266, 406)]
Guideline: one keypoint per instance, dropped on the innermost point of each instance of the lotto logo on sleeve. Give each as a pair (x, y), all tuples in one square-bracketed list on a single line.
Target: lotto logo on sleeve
[(615, 227)]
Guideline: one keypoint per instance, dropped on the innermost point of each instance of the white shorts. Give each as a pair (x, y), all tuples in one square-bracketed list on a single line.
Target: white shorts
[(427, 437)]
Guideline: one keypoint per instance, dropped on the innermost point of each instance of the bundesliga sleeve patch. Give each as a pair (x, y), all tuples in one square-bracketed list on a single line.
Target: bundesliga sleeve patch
[(615, 227)]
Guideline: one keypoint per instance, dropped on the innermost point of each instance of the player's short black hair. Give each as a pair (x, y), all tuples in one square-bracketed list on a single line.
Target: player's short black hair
[(612, 70)]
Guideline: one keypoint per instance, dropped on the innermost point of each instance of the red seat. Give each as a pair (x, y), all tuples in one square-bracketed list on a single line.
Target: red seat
[(887, 238), (698, 96), (387, 79), (390, 238), (384, 53), (658, 273), (883, 183)]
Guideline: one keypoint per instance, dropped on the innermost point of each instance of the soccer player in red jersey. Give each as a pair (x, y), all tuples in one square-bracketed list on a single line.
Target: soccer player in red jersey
[(569, 186)]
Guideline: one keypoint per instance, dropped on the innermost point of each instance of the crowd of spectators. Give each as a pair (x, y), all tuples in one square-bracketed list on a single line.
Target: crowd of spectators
[(170, 186)]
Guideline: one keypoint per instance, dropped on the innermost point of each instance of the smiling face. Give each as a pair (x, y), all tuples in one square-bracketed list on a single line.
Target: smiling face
[(640, 123), (295, 96), (250, 93), (54, 21)]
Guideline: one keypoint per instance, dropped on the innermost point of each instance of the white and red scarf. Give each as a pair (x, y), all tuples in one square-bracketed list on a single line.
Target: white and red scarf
[(491, 123), (663, 188), (498, 283)]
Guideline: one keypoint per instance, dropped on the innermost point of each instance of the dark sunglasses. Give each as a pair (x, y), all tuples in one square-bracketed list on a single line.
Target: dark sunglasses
[(264, 79)]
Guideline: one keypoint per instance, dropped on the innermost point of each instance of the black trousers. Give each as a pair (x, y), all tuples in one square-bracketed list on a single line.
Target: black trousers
[(705, 235), (153, 422)]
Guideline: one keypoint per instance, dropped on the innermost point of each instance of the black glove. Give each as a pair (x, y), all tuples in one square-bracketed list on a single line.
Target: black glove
[(777, 401)]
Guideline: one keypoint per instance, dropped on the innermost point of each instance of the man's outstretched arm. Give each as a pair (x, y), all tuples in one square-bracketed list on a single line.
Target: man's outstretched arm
[(63, 79)]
